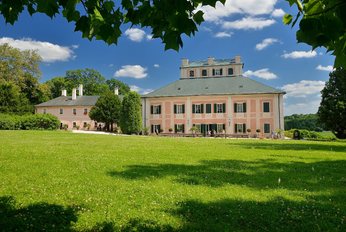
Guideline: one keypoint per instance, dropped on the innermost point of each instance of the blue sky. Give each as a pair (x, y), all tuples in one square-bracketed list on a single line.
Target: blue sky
[(252, 29)]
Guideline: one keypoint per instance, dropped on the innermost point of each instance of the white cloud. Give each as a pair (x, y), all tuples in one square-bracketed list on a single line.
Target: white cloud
[(309, 107), (248, 23), (156, 66), (248, 7), (277, 13), (48, 51), (265, 43), (149, 37), (261, 73), (140, 90), (135, 34), (299, 54), (328, 68), (303, 88), (223, 34), (134, 71)]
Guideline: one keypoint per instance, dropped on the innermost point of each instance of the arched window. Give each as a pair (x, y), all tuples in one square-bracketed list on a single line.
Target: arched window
[(230, 71)]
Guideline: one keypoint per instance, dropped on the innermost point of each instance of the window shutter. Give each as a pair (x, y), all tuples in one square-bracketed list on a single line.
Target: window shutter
[(213, 72), (244, 107), (223, 126), (215, 107), (244, 127), (151, 109), (221, 71), (183, 106), (202, 108), (193, 108), (235, 128), (159, 109), (175, 128), (183, 128), (235, 107), (152, 128), (175, 108), (224, 107)]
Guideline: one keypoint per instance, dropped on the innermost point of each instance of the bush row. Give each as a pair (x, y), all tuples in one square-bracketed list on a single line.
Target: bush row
[(29, 122), (311, 135)]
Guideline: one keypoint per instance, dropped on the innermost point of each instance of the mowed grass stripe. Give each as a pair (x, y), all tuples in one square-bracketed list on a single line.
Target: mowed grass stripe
[(79, 182)]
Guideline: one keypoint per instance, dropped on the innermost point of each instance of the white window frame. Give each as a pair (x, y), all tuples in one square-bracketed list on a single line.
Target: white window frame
[(240, 125), (219, 108), (179, 109), (240, 107), (206, 72), (198, 108), (156, 109), (61, 111), (217, 72), (191, 73), (268, 106), (199, 127), (264, 128), (219, 128)]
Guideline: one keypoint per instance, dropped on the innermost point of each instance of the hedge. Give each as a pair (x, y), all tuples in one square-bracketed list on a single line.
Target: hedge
[(29, 122), (311, 135)]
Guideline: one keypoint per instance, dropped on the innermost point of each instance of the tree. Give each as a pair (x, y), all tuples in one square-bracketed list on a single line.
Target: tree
[(107, 110), (102, 19), (303, 121), (332, 110), (322, 24), (123, 88), (93, 81), (11, 100), (56, 85), (131, 116)]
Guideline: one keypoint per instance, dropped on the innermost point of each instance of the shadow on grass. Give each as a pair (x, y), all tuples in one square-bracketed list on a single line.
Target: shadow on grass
[(35, 217), (317, 176), (284, 145), (233, 215)]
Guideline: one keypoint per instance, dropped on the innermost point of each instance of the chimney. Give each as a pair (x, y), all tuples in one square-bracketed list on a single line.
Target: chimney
[(237, 59), (80, 90), (116, 91), (184, 62), (210, 60), (63, 92), (74, 94)]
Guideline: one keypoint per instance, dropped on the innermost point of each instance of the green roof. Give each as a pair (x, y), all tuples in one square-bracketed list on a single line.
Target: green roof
[(215, 62), (67, 101), (213, 86)]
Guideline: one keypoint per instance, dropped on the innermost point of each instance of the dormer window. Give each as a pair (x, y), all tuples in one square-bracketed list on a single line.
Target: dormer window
[(230, 71), (192, 73)]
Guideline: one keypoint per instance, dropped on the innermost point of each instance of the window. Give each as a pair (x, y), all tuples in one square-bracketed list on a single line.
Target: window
[(85, 124), (179, 128), (179, 109), (266, 107), (74, 111), (44, 111), (204, 73), (217, 72), (61, 111), (220, 128), (199, 127), (74, 124), (85, 111), (197, 108), (240, 107), (266, 128), (156, 109), (155, 129), (230, 71), (239, 128), (208, 108), (220, 108), (192, 73)]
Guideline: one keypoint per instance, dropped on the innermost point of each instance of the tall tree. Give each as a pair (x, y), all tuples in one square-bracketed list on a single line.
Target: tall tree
[(94, 83), (131, 116), (12, 100), (332, 110), (123, 88), (57, 84), (107, 110)]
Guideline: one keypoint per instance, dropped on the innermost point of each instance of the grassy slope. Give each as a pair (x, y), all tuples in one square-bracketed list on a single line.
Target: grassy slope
[(64, 181)]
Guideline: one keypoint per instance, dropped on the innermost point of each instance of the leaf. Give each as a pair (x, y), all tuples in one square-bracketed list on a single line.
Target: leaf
[(287, 19), (198, 17)]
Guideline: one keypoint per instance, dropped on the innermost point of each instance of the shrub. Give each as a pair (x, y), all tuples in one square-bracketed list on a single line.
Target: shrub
[(311, 135), (29, 122)]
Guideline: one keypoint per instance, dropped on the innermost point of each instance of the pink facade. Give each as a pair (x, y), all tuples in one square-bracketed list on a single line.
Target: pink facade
[(224, 121), (72, 116)]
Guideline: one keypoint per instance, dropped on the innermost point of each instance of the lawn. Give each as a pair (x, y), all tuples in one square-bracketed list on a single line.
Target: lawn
[(59, 181)]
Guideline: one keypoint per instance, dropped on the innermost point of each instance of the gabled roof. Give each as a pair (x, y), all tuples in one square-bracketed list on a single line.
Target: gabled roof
[(213, 86), (67, 101), (215, 62)]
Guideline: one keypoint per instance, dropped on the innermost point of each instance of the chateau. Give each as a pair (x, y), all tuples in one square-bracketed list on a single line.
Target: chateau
[(213, 96)]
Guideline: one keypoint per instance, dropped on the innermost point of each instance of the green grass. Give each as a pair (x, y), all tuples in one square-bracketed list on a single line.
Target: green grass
[(59, 181)]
